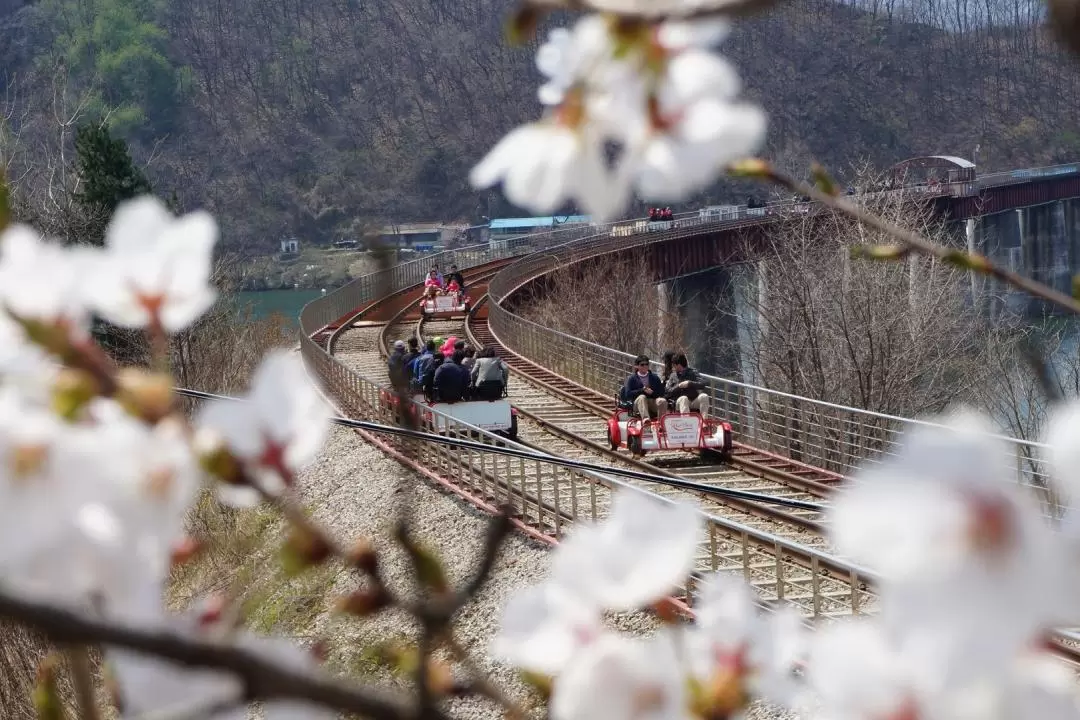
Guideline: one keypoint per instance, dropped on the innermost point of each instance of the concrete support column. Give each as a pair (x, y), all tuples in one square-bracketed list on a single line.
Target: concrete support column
[(971, 229), (665, 314)]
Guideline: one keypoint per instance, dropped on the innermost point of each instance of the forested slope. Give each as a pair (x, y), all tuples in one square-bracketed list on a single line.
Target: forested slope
[(320, 117)]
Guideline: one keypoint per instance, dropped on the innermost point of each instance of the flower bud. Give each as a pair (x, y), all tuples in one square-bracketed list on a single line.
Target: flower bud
[(362, 556), (1065, 23), (54, 337), (967, 261), (751, 168), (215, 458), (878, 252), (46, 693), (71, 391), (522, 25), (184, 550), (823, 180), (304, 549), (363, 603), (145, 395), (724, 695)]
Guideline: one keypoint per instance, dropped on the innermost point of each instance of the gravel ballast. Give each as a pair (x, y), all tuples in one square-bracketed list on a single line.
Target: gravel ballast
[(354, 490)]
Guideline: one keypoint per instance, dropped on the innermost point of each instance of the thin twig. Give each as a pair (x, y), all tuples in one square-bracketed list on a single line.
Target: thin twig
[(974, 261), (498, 530), (480, 683), (83, 680), (263, 679)]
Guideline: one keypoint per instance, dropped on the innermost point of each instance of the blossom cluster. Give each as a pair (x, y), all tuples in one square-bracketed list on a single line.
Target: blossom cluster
[(651, 89), (99, 467), (972, 576)]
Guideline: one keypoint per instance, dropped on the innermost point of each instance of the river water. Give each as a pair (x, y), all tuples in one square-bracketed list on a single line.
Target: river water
[(284, 302)]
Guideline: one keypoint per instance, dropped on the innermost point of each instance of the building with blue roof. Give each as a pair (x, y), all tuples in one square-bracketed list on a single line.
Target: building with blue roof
[(504, 227)]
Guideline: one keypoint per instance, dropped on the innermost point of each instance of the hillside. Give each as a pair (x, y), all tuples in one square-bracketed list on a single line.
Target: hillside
[(325, 117)]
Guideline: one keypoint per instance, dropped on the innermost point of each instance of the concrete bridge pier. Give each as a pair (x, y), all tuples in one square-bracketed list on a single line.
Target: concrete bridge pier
[(717, 311)]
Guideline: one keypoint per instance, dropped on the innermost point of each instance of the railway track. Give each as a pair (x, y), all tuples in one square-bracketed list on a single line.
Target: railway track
[(558, 416), (551, 503)]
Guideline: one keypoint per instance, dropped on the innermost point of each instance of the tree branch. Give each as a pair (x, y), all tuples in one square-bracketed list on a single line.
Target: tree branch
[(263, 679)]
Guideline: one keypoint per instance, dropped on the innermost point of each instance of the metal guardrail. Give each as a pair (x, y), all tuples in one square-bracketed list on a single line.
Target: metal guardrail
[(821, 434)]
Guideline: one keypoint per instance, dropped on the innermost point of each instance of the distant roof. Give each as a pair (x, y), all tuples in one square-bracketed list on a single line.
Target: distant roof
[(412, 228), (935, 161), (535, 222)]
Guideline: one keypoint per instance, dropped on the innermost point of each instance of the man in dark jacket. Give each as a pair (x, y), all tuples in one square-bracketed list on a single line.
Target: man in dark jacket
[(395, 368), (451, 380), (420, 364), (430, 368), (645, 390), (411, 354), (685, 389)]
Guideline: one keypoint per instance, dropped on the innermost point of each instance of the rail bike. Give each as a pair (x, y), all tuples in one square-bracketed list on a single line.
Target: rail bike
[(449, 305), (497, 416), (690, 431)]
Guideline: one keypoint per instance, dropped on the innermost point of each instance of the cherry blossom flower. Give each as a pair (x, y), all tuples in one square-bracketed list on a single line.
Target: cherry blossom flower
[(654, 91), (739, 653), (855, 673), (636, 557), (276, 430), (960, 548), (545, 164), (926, 511), (543, 626), (26, 260), (97, 518), (157, 267), (616, 678), (1062, 452)]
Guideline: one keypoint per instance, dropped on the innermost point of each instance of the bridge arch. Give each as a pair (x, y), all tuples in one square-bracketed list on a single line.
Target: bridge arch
[(943, 168)]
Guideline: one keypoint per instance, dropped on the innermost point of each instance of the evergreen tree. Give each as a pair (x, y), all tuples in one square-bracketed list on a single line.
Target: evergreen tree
[(108, 177), (107, 173)]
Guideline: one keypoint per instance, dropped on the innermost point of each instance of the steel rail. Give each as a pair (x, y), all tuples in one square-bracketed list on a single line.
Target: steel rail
[(538, 454), (533, 374), (644, 471)]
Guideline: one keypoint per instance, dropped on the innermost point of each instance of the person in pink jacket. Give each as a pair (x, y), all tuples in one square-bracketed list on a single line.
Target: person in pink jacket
[(433, 285), (448, 347)]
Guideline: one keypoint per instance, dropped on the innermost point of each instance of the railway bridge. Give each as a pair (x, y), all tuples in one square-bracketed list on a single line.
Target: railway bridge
[(562, 386)]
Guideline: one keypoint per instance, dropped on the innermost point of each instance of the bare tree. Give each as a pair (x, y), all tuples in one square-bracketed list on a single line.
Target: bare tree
[(612, 302), (898, 338)]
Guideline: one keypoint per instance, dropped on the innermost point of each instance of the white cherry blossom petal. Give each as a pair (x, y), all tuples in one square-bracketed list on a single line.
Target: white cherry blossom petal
[(158, 267), (542, 627), (616, 678), (26, 259), (642, 552)]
